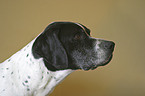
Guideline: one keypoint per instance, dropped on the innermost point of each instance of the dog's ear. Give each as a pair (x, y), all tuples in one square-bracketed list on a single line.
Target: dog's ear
[(49, 47)]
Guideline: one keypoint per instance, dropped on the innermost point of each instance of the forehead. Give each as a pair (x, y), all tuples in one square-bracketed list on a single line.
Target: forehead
[(75, 27), (80, 25), (68, 27), (86, 30)]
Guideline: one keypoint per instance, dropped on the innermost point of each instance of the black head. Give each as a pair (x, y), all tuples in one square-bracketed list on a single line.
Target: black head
[(68, 45)]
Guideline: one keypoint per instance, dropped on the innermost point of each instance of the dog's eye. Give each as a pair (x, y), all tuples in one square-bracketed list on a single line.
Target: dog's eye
[(77, 37)]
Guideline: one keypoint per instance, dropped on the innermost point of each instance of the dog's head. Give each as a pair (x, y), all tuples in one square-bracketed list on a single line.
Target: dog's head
[(68, 45)]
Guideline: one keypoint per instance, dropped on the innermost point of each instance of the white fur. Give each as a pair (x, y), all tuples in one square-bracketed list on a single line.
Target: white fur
[(23, 75)]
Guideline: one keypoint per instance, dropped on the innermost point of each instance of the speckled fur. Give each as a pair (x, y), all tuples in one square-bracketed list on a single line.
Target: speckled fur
[(27, 73), (23, 75)]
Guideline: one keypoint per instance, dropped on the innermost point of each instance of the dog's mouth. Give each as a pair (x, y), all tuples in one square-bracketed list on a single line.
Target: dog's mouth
[(104, 63), (107, 60), (86, 68)]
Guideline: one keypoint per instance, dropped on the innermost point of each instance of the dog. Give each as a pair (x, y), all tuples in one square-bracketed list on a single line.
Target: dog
[(60, 49)]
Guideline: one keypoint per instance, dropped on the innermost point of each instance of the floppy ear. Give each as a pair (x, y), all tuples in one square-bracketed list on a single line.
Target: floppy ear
[(49, 47)]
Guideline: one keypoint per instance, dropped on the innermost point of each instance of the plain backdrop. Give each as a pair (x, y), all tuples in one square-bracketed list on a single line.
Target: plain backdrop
[(122, 21)]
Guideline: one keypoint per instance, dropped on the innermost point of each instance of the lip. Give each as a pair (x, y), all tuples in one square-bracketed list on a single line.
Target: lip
[(107, 60), (104, 63)]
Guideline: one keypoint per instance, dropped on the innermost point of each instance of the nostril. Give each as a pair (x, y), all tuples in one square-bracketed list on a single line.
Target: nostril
[(108, 45)]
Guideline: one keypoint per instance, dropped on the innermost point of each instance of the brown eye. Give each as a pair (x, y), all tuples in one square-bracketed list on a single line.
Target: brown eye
[(77, 37)]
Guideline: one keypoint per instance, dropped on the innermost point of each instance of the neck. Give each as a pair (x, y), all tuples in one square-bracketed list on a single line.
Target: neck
[(31, 74)]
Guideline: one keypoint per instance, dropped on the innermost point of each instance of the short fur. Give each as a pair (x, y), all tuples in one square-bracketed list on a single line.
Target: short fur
[(60, 49)]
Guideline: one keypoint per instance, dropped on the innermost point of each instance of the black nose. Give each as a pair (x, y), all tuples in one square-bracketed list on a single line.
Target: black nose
[(109, 45)]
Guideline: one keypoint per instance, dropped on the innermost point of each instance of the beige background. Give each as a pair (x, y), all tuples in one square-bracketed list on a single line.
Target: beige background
[(122, 21)]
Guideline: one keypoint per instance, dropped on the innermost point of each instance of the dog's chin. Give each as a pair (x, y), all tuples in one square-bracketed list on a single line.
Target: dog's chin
[(105, 62)]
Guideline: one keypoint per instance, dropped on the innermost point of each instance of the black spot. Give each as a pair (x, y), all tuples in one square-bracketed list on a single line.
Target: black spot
[(57, 80), (9, 60), (7, 68), (28, 89), (54, 77), (47, 72), (12, 73), (23, 84), (42, 78), (3, 76), (29, 77), (26, 81), (27, 55)]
